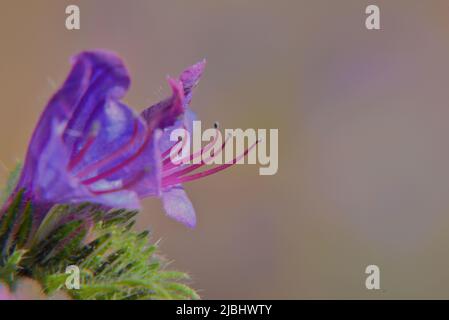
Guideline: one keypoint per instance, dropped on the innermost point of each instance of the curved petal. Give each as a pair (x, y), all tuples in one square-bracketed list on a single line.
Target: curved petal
[(87, 134), (178, 206), (166, 112), (179, 117), (170, 107), (52, 183), (94, 76), (190, 78), (108, 81)]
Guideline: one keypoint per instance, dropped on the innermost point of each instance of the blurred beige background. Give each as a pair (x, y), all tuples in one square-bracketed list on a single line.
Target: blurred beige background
[(363, 119)]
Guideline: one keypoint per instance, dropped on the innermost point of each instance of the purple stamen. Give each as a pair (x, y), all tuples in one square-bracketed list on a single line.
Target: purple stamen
[(177, 180), (171, 165), (196, 166)]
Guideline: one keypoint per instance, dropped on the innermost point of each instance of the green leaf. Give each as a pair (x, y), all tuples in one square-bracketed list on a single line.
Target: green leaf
[(10, 267), (7, 223), (120, 264), (25, 226), (116, 262), (50, 222), (11, 183)]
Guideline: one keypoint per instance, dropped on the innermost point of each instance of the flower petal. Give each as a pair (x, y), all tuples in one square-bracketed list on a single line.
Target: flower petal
[(179, 117), (182, 89), (122, 155), (178, 206), (52, 183), (107, 80), (166, 112), (94, 76), (191, 77)]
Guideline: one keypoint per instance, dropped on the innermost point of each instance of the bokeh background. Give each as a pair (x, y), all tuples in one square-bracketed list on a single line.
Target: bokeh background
[(363, 119)]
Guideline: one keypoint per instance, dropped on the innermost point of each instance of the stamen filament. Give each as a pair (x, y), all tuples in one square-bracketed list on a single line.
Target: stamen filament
[(199, 175), (193, 167), (170, 164), (168, 151)]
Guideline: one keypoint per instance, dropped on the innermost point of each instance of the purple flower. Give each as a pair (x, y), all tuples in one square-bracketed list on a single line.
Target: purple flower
[(175, 200), (89, 146)]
